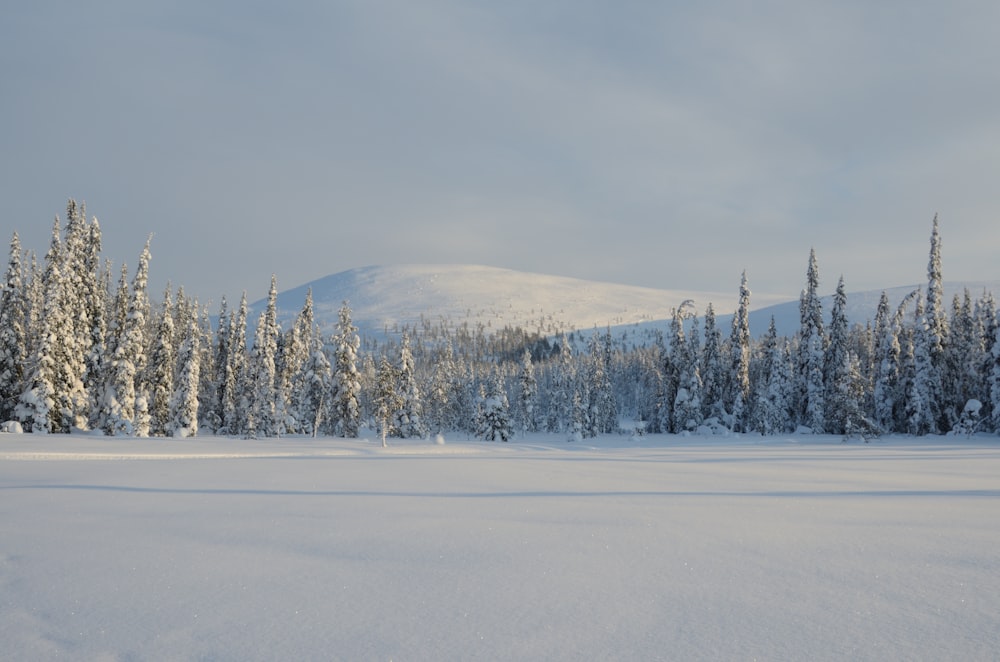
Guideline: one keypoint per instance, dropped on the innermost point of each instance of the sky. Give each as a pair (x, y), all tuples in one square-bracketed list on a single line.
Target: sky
[(662, 144)]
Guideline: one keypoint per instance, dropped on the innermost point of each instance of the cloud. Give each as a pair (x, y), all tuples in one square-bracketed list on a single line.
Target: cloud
[(658, 144)]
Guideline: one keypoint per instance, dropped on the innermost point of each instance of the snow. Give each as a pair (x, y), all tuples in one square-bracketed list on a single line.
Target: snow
[(651, 547), (386, 296)]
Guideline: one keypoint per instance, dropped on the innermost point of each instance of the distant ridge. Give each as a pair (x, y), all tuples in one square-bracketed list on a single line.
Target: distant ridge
[(387, 298), (390, 297)]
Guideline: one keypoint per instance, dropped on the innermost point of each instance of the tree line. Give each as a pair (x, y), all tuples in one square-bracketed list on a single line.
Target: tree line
[(79, 352)]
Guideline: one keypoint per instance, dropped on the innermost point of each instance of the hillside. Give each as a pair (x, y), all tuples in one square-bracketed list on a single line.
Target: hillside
[(389, 297)]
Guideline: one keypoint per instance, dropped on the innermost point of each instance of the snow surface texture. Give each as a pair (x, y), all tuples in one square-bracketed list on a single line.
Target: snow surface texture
[(651, 548)]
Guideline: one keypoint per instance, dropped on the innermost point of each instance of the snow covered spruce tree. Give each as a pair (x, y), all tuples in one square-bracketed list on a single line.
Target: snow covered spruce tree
[(561, 385), (686, 415), (13, 336), (55, 399), (922, 397), (987, 323), (386, 398), (963, 359), (738, 399), (236, 382), (885, 380), (771, 411), (440, 407), (293, 351), (527, 394), (809, 387), (263, 408), (409, 421), (123, 406), (346, 379), (836, 366), (603, 409), (711, 370), (495, 420), (208, 419), (293, 379), (317, 386), (936, 322), (183, 419), (211, 393), (162, 364), (994, 378)]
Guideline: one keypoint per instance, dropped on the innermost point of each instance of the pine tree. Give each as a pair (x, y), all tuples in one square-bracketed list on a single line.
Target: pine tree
[(686, 412), (885, 381), (40, 405), (739, 366), (528, 394), (603, 410), (236, 373), (994, 378), (409, 421), (809, 390), (98, 357), (711, 370), (441, 411), (771, 410), (563, 376), (462, 398), (346, 379), (936, 331), (814, 415), (387, 400), (580, 423), (317, 386), (55, 400), (124, 409), (964, 357), (13, 336), (495, 421), (162, 363), (208, 399), (137, 342), (923, 396), (987, 322), (184, 400), (651, 391), (836, 366), (264, 408), (79, 271), (294, 354)]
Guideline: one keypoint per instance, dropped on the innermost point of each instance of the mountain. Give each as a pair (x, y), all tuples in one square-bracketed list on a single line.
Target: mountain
[(388, 297)]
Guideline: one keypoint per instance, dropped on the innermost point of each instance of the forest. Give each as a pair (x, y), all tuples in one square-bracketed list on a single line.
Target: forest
[(81, 350)]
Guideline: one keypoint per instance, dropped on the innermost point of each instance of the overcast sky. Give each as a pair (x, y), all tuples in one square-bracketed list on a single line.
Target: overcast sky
[(664, 144)]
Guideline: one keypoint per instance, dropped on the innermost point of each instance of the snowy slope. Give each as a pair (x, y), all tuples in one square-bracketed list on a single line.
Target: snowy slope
[(384, 297), (389, 297)]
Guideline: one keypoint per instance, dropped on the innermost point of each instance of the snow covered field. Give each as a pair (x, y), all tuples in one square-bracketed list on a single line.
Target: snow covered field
[(660, 548)]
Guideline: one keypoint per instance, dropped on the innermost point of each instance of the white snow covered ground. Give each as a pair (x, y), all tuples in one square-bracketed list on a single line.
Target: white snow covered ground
[(633, 549)]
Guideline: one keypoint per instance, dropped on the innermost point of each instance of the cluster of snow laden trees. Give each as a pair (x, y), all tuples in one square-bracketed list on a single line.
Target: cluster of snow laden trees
[(79, 353)]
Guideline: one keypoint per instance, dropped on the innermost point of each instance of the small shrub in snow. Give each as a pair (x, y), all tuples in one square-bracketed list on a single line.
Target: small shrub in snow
[(971, 419)]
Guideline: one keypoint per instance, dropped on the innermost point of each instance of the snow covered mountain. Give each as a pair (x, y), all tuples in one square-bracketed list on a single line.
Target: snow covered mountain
[(389, 297), (386, 298)]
